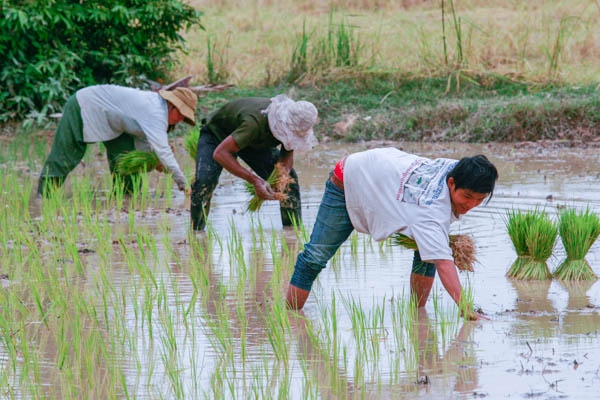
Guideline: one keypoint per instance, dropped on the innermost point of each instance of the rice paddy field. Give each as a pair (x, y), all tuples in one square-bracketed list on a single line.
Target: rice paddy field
[(113, 297)]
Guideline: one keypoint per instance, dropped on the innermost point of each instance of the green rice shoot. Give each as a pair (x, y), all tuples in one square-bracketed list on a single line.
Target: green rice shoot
[(463, 249), (135, 162), (578, 232), (190, 142), (517, 225), (541, 237)]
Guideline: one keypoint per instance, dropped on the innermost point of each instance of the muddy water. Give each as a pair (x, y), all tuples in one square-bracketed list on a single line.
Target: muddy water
[(541, 339)]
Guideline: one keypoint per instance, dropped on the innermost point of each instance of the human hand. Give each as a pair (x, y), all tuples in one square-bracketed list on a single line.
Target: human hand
[(160, 167), (472, 315), (263, 190)]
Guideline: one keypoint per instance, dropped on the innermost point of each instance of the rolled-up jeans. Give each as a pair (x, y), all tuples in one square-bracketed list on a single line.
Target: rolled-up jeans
[(332, 228)]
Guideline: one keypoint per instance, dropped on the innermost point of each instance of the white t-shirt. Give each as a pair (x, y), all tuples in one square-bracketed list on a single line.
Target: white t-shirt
[(107, 111), (389, 191)]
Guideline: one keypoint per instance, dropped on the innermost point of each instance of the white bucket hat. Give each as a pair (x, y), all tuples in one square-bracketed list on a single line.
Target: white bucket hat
[(291, 122)]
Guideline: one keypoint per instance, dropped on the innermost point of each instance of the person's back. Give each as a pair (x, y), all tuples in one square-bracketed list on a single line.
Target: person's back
[(385, 191)]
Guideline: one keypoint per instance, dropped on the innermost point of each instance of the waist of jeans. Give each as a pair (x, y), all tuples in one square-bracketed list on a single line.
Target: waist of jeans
[(336, 181), (338, 170)]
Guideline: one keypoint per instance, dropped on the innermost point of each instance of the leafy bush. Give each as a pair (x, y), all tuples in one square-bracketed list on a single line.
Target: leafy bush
[(51, 48)]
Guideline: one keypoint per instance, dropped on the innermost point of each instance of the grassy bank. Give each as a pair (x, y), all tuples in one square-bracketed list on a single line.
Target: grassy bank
[(418, 70), (411, 70), (389, 107)]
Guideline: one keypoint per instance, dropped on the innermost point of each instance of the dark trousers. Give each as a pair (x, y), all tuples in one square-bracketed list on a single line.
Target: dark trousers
[(208, 171), (68, 148)]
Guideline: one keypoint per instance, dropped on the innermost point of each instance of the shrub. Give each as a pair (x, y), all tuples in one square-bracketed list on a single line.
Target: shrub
[(51, 48)]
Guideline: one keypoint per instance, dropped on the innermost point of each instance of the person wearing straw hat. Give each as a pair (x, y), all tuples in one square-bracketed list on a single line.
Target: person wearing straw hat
[(386, 191), (123, 119), (262, 132)]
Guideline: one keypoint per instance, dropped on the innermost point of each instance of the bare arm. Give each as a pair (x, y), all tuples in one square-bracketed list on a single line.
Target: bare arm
[(449, 277), (224, 154), (286, 158)]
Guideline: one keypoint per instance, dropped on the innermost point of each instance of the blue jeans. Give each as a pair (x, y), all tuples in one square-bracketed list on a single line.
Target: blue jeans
[(332, 228)]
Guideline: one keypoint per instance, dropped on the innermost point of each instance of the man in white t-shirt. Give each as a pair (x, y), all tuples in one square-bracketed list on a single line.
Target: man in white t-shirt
[(123, 119), (384, 191)]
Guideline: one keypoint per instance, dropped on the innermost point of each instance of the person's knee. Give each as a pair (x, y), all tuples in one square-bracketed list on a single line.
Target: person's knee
[(306, 270)]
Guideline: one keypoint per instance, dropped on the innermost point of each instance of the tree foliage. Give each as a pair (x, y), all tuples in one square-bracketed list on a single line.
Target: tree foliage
[(51, 48)]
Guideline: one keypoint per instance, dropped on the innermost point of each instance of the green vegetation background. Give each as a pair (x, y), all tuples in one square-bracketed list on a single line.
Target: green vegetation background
[(484, 70)]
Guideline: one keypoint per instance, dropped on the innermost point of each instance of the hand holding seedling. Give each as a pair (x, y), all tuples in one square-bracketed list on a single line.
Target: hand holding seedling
[(472, 315), (263, 190)]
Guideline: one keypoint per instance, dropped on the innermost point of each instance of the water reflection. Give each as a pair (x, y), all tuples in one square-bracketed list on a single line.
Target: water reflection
[(536, 314), (201, 319)]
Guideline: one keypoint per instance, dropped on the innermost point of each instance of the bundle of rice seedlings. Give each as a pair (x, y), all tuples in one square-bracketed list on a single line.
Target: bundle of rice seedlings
[(541, 237), (190, 142), (136, 161), (517, 225), (578, 232), (463, 249), (278, 180)]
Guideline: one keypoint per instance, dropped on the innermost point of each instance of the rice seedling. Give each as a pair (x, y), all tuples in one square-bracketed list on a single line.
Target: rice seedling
[(578, 232), (462, 245), (190, 142), (540, 239), (278, 180), (135, 162), (517, 224)]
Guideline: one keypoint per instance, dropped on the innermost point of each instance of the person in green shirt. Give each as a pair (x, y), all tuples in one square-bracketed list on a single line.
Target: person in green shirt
[(262, 132)]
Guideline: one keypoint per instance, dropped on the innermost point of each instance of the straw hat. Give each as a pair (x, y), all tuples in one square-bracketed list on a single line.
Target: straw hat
[(291, 122), (185, 100)]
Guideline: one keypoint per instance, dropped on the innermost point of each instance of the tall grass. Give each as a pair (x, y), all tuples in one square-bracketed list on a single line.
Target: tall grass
[(536, 41)]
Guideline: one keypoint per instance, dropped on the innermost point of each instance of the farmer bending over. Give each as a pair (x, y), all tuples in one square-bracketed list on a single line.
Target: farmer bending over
[(123, 119), (252, 129), (385, 191)]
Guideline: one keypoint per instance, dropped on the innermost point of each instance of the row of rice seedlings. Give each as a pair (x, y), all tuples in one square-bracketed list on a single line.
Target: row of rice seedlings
[(533, 234), (578, 232), (279, 180), (66, 243), (322, 351), (447, 316), (462, 245)]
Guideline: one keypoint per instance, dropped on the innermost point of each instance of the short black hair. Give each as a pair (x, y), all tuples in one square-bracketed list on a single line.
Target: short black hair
[(475, 173)]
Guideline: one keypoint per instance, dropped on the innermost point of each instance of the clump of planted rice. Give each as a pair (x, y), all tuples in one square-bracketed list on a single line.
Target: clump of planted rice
[(135, 162), (279, 180), (463, 249), (533, 234), (578, 232), (190, 142)]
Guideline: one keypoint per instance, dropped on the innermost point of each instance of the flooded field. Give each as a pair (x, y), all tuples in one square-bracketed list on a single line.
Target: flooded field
[(115, 298)]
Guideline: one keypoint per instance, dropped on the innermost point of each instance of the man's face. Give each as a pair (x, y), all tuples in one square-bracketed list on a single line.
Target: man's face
[(464, 199), (175, 116)]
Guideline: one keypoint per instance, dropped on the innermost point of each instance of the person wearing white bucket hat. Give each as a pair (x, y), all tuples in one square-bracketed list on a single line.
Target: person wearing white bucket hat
[(123, 119), (262, 132)]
